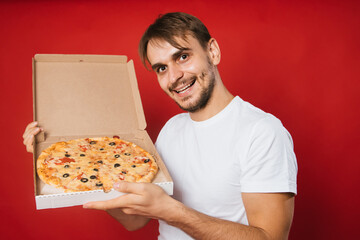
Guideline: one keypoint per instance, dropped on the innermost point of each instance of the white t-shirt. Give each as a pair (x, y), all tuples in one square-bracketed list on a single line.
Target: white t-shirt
[(241, 149)]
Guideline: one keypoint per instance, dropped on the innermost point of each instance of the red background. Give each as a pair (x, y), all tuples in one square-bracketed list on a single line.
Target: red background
[(296, 59)]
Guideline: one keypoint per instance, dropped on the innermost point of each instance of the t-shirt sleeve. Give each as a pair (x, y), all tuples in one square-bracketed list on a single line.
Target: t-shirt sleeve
[(270, 164)]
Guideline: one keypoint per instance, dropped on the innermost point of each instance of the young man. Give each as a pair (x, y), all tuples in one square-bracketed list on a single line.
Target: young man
[(233, 165)]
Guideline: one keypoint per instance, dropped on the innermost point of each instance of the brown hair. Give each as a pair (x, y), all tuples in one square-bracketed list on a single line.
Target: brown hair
[(172, 25)]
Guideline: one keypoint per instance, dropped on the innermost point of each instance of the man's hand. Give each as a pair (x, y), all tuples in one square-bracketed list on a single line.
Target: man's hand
[(134, 209), (31, 130), (144, 199)]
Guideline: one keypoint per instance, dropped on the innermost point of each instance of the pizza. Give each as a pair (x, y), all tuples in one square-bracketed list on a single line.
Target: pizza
[(94, 164)]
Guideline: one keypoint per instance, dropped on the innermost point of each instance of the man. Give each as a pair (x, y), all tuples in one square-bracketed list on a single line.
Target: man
[(233, 165)]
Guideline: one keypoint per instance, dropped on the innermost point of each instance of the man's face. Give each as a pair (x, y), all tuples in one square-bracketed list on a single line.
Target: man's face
[(186, 74)]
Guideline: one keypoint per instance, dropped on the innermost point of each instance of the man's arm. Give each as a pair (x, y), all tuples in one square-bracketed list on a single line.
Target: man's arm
[(269, 215)]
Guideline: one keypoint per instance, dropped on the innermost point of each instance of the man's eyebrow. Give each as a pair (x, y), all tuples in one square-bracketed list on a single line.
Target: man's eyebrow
[(179, 52), (155, 66), (174, 56)]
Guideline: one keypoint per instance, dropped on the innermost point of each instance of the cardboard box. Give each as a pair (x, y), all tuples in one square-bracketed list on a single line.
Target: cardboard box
[(79, 96)]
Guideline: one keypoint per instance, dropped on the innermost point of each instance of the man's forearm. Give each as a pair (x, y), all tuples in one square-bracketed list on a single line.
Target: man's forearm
[(201, 226)]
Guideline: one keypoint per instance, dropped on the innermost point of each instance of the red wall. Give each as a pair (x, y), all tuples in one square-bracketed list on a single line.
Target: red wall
[(296, 59)]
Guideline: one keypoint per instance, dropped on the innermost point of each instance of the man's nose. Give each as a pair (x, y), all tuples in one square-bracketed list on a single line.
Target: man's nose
[(175, 73)]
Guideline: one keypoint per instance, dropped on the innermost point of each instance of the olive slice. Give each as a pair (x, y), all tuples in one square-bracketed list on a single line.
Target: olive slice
[(84, 180)]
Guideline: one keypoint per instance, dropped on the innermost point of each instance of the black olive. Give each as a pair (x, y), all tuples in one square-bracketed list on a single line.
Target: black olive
[(134, 166), (82, 155), (101, 149), (78, 167), (127, 154), (146, 160), (66, 166), (67, 155), (84, 180), (92, 142), (123, 172), (116, 155), (99, 184), (117, 165), (96, 170), (112, 144), (100, 161), (66, 175), (92, 177)]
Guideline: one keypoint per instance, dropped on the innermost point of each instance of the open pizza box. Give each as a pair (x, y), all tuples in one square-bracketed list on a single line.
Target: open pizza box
[(79, 96)]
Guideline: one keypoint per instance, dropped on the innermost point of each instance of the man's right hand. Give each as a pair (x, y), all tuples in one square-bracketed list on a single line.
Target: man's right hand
[(31, 130)]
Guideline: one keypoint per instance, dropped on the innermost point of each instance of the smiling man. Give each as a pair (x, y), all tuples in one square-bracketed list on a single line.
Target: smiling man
[(233, 165), (187, 74)]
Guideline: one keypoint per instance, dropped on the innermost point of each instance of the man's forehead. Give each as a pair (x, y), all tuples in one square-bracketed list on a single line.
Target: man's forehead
[(176, 42), (158, 48)]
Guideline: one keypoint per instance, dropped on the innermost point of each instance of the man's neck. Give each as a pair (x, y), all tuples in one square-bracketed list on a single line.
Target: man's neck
[(219, 99)]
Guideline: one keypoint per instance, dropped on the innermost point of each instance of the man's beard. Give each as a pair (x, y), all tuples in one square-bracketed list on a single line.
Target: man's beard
[(205, 95)]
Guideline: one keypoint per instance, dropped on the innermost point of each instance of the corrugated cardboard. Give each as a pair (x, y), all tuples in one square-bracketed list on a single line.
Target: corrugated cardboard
[(78, 96)]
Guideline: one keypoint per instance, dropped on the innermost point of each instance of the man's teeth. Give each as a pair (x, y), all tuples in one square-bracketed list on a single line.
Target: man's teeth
[(184, 88)]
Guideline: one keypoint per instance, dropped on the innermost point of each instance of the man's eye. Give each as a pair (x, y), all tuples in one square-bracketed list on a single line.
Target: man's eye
[(183, 56), (161, 69)]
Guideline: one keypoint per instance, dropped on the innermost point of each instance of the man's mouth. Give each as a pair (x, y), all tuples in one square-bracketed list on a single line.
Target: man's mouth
[(183, 89)]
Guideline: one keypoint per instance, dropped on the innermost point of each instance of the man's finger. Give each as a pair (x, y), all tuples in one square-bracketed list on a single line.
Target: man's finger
[(124, 201), (105, 205), (30, 125), (129, 187), (31, 131), (29, 141), (27, 132)]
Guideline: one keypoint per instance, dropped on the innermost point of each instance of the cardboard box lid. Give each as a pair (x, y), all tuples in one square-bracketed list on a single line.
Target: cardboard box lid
[(106, 90)]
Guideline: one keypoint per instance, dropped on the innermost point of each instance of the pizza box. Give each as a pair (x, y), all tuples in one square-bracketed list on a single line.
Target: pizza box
[(79, 96)]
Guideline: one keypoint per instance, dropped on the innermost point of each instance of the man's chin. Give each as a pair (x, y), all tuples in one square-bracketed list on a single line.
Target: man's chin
[(191, 106)]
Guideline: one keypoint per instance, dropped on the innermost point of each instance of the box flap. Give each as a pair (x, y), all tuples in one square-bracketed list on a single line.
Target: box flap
[(107, 97)]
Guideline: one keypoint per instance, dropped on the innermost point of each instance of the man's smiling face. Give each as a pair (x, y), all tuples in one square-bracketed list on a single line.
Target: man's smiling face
[(186, 74)]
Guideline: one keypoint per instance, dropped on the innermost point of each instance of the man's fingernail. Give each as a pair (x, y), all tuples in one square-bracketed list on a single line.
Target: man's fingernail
[(86, 205)]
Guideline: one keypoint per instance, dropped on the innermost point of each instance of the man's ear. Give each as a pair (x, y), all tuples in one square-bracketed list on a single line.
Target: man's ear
[(214, 51)]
